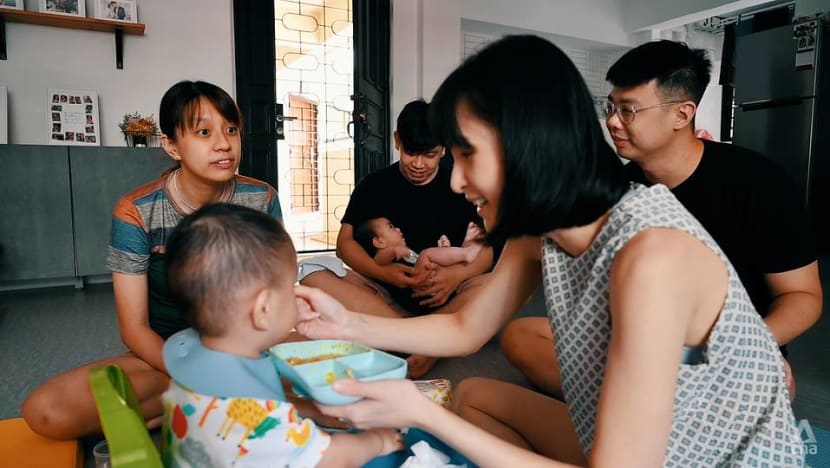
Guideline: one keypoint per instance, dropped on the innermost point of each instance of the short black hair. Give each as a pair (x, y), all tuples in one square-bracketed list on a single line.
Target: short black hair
[(364, 234), (559, 170), (220, 253), (413, 128), (179, 106), (680, 71)]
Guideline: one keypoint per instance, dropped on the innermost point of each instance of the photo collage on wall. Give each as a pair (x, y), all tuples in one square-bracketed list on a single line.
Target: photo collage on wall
[(73, 118)]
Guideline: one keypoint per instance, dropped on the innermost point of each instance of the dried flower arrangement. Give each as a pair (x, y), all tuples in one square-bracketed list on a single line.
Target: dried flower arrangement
[(135, 124)]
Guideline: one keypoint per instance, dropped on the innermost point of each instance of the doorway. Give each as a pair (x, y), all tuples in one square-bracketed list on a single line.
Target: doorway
[(314, 82), (316, 104)]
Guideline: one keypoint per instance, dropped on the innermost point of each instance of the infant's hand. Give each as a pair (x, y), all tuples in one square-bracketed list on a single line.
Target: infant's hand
[(444, 241), (401, 252), (391, 440)]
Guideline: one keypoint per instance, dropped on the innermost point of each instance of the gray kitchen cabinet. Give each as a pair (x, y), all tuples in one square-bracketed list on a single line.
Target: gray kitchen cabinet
[(101, 176), (35, 213), (57, 204)]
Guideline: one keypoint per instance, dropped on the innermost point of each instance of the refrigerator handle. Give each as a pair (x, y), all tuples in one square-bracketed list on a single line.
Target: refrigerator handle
[(767, 103)]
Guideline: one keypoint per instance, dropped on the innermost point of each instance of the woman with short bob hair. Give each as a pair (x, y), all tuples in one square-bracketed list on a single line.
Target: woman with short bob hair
[(565, 175), (663, 360)]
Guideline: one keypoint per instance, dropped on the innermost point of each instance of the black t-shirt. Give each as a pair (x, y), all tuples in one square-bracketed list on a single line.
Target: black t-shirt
[(422, 212), (752, 210)]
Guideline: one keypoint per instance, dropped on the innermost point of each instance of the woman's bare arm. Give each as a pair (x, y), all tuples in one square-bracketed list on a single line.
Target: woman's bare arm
[(666, 290), (516, 275), (132, 306)]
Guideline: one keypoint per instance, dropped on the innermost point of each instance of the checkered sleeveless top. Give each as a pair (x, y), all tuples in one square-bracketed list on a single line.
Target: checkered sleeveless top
[(731, 410)]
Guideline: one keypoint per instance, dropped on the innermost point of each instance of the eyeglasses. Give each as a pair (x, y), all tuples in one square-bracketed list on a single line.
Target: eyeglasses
[(627, 113)]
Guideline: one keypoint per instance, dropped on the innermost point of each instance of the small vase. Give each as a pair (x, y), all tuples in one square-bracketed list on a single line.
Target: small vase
[(139, 141)]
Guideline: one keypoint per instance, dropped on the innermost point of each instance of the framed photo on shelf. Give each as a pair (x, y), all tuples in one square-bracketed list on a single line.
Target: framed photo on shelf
[(72, 118), (122, 10), (12, 4), (63, 7)]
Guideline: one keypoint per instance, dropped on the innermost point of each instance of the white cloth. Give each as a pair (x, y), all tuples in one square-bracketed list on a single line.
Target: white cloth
[(317, 263), (427, 457)]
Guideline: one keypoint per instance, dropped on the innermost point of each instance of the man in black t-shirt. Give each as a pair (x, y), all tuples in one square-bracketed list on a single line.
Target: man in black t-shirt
[(746, 202), (752, 210), (415, 195)]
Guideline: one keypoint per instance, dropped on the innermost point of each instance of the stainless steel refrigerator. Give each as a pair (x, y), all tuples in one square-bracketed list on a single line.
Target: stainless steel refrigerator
[(781, 93)]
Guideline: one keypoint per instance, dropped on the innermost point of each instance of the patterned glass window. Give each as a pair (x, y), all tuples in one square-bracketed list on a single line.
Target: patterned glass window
[(314, 82)]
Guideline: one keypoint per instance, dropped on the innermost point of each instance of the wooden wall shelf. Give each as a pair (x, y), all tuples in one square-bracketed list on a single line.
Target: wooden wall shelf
[(70, 22)]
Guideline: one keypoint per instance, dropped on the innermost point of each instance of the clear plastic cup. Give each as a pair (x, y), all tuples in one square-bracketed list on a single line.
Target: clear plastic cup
[(101, 451)]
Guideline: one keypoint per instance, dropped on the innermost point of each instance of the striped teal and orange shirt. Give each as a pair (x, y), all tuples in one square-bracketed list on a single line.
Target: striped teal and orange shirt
[(141, 224)]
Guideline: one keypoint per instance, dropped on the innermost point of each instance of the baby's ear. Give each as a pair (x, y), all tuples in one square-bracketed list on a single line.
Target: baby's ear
[(260, 316), (378, 243)]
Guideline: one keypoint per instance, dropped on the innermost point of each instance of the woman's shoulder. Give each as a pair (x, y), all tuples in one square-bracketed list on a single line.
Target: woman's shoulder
[(130, 204), (657, 243), (257, 194), (252, 185), (144, 192), (662, 254)]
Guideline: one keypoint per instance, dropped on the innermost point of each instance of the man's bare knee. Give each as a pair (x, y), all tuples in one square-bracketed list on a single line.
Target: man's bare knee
[(463, 393), (512, 337), (521, 338)]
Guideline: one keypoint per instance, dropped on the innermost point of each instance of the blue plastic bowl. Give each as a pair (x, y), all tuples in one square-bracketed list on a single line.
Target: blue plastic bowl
[(312, 366)]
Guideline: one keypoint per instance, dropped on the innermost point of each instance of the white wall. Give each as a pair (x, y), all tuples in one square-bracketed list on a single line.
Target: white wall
[(709, 112), (427, 34), (183, 39), (405, 63), (441, 41), (426, 47), (596, 20)]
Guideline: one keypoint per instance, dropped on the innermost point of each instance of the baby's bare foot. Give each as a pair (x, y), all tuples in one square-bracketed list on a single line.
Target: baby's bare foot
[(473, 234), (418, 366)]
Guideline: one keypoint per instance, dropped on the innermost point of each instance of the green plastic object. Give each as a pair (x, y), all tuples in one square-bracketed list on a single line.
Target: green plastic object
[(119, 410)]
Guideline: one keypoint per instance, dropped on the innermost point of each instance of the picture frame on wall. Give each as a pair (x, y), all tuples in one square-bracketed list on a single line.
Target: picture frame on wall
[(11, 4), (72, 118), (63, 7), (121, 10)]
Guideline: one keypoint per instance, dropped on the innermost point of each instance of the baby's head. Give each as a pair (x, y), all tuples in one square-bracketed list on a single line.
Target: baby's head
[(232, 269), (378, 233)]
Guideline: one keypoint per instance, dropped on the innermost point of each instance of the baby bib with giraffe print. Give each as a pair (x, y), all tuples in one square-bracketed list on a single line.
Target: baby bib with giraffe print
[(203, 430)]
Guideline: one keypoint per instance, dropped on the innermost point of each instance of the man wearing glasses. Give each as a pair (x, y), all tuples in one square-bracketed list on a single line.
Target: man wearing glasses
[(745, 201)]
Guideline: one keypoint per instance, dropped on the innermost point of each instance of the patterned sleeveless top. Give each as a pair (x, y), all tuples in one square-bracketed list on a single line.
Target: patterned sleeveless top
[(731, 410)]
